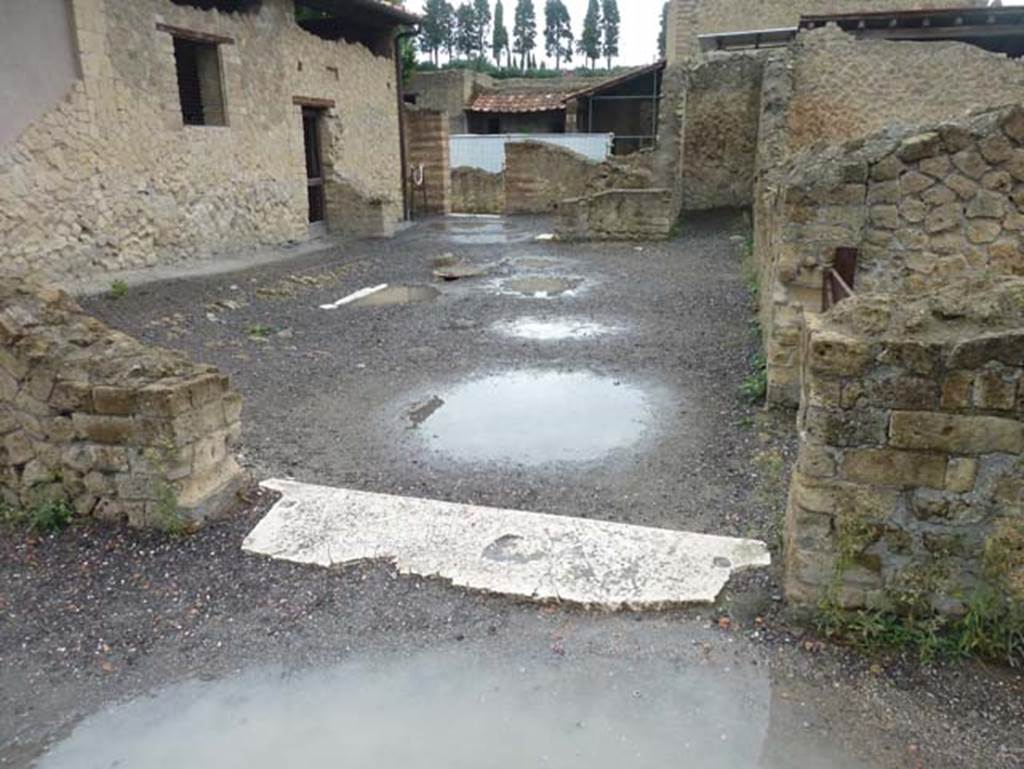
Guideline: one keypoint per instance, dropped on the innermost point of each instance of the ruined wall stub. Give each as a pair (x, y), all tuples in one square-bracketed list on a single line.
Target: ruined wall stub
[(429, 159), (112, 178), (923, 209), (119, 430), (909, 486)]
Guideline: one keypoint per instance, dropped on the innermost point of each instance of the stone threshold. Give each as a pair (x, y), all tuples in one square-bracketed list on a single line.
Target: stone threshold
[(533, 556)]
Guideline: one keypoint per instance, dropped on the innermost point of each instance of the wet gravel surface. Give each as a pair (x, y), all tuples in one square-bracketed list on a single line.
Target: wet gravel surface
[(98, 615)]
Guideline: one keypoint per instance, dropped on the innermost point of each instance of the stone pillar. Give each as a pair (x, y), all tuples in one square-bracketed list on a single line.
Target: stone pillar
[(429, 171)]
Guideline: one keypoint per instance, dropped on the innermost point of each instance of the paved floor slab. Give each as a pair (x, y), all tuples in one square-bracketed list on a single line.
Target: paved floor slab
[(528, 555)]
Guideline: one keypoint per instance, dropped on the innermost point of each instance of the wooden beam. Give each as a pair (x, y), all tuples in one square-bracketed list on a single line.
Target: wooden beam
[(313, 102), (192, 34)]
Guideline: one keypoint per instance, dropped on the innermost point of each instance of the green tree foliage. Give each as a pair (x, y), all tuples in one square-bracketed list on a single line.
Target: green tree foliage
[(590, 41), (524, 31), (499, 39), (482, 14), (558, 37), (610, 30), (437, 31), (663, 35), (466, 37)]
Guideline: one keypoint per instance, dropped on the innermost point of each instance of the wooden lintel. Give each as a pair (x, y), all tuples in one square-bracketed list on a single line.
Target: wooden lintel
[(193, 34), (312, 102)]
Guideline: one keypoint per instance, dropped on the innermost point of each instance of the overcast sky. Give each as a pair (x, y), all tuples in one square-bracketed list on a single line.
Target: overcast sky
[(641, 20)]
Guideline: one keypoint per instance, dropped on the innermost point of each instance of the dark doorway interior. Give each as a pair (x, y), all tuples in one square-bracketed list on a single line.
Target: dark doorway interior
[(314, 164)]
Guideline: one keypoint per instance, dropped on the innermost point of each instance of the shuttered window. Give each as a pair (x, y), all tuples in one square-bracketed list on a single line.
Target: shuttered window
[(199, 82)]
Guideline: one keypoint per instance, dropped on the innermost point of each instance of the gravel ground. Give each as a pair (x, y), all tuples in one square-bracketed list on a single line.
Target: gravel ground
[(99, 615)]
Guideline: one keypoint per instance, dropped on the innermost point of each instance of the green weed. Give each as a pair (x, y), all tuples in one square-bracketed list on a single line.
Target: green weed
[(755, 386), (118, 289), (46, 517), (260, 331)]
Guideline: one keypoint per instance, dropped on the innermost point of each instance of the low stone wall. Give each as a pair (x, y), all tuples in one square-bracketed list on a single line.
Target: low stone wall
[(909, 487), (475, 191), (618, 215), (538, 176), (121, 430), (924, 209)]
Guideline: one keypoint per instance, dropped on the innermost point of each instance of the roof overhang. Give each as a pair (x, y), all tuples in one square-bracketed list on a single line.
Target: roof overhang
[(366, 13), (752, 40)]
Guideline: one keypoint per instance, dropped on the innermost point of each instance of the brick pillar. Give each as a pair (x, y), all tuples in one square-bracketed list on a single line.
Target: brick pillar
[(429, 171)]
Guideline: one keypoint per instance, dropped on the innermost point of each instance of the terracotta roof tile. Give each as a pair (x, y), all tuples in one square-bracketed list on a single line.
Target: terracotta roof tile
[(518, 102)]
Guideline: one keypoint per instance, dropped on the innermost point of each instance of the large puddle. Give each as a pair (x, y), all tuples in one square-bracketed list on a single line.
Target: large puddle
[(553, 330), (536, 417), (451, 711)]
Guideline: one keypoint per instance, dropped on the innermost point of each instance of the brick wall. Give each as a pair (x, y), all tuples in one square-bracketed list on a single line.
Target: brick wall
[(910, 479), (91, 416), (428, 157)]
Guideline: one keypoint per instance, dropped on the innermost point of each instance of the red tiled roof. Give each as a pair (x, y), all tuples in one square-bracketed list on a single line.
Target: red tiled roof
[(518, 102)]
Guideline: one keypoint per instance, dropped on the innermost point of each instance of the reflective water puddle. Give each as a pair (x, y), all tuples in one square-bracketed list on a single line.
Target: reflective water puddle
[(447, 710), (542, 287), (553, 330), (534, 417), (396, 295)]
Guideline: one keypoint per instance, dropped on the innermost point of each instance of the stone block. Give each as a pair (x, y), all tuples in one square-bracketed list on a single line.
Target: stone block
[(964, 188), (1015, 165), (888, 168), (885, 217), (913, 211), (996, 149), (915, 356), (72, 397), (1003, 347), (997, 181), (970, 163), (164, 400), (886, 192), (18, 448), (983, 230), (846, 427), (1013, 124), (913, 183), (958, 391), (894, 469), (952, 434), (986, 205), (115, 401), (945, 217), (233, 404), (816, 460), (938, 167), (961, 474), (955, 137), (206, 389), (894, 391), (920, 147), (833, 353), (108, 430), (995, 391)]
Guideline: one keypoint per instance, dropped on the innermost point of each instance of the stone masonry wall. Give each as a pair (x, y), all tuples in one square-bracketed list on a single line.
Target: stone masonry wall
[(428, 154), (923, 209), (909, 487), (112, 179), (618, 215), (690, 18), (723, 106), (91, 416), (539, 176), (847, 88), (475, 191)]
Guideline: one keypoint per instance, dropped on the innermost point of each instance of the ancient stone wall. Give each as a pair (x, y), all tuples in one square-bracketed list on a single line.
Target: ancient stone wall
[(120, 430), (909, 486), (428, 156), (723, 105), (923, 209), (618, 214), (113, 179), (847, 88), (475, 191), (539, 176), (690, 18)]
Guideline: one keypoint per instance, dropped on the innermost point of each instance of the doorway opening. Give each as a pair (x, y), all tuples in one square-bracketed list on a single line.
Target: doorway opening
[(311, 131)]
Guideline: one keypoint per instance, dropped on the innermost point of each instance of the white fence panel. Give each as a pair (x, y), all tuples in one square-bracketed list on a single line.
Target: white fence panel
[(487, 151)]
